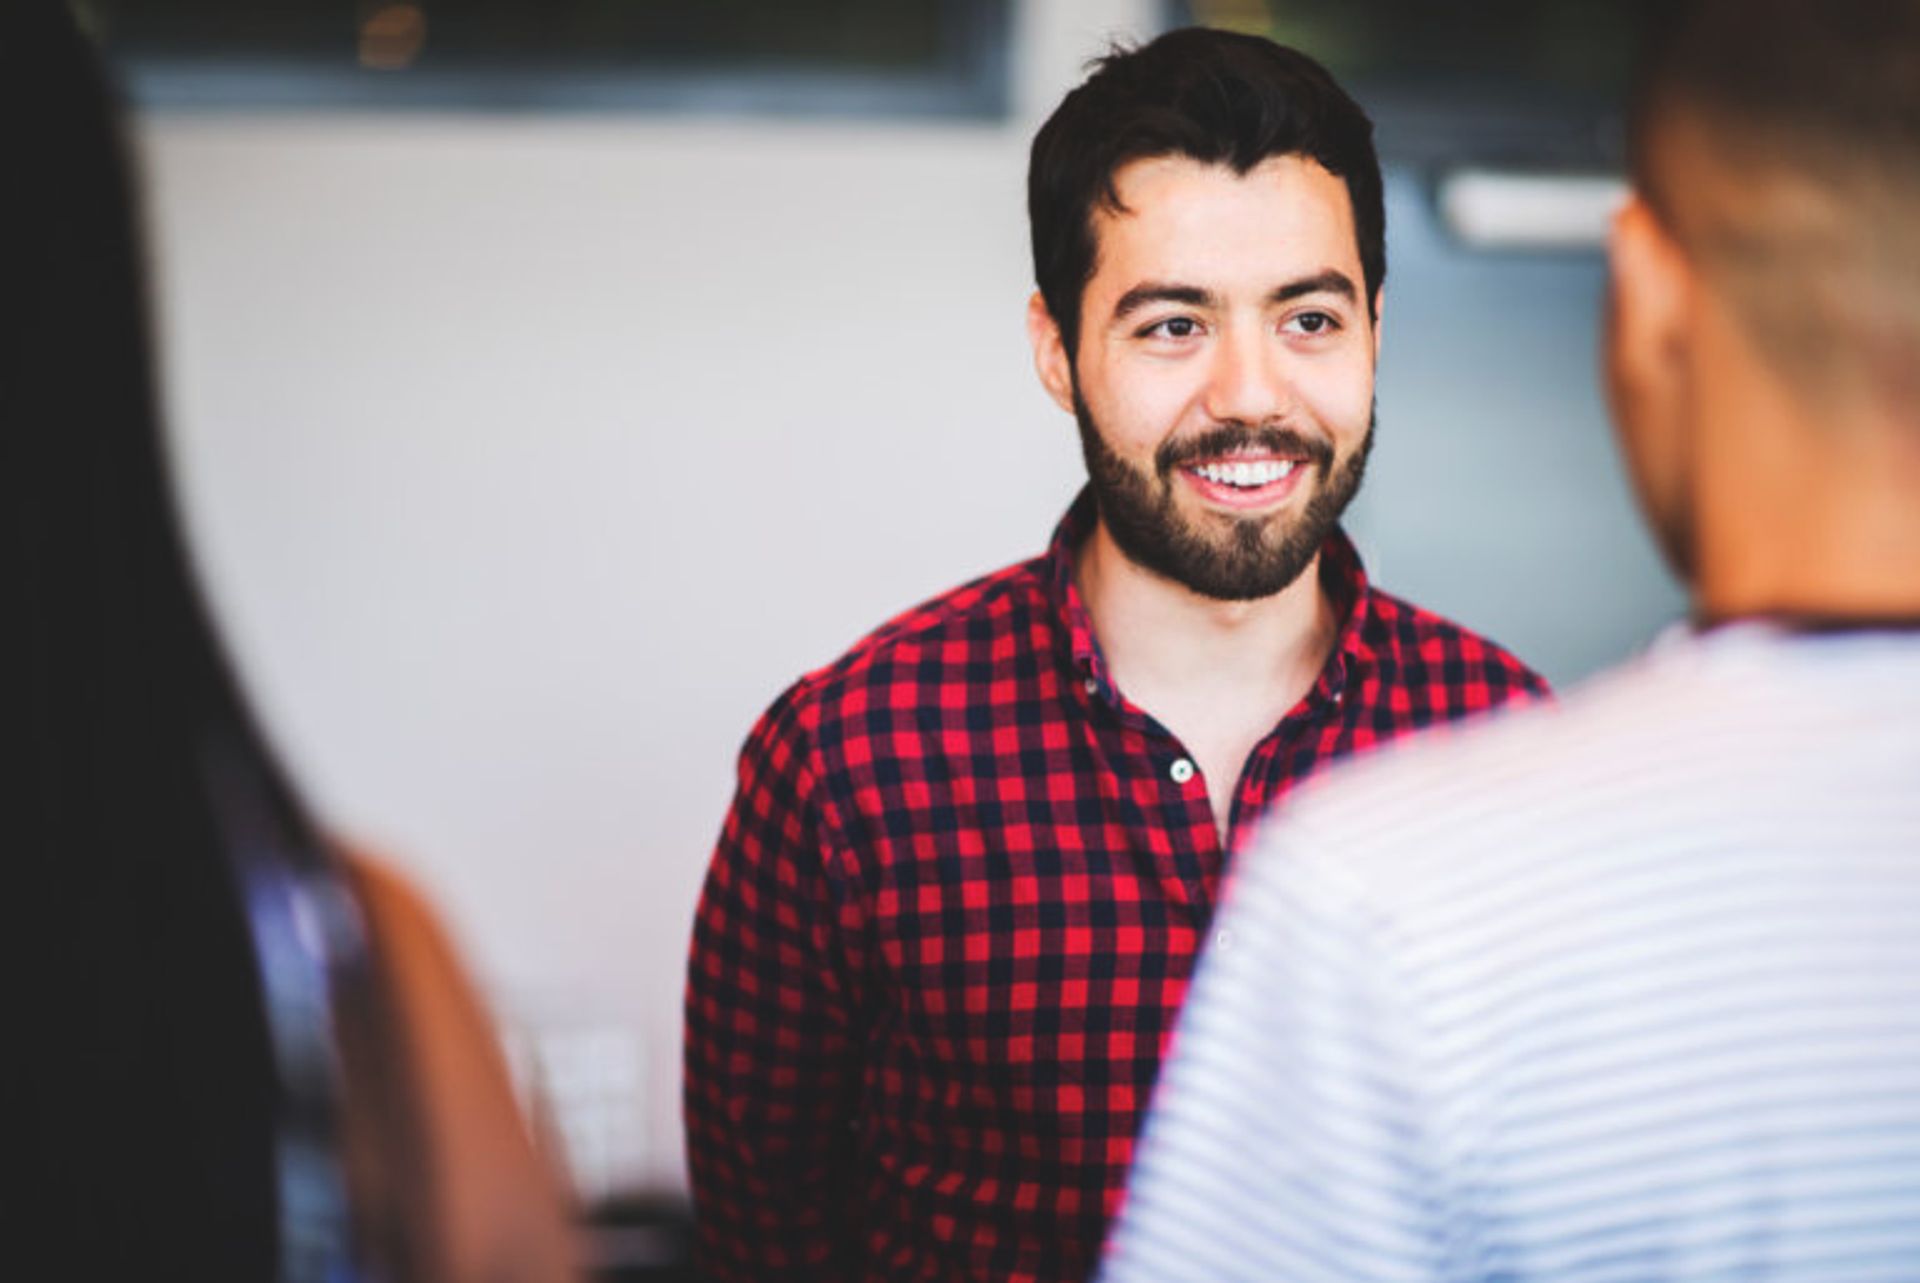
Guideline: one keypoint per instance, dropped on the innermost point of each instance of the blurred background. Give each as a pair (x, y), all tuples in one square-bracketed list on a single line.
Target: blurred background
[(553, 382)]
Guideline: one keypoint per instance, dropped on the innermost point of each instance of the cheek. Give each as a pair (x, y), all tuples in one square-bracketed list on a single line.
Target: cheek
[(1137, 406), (1338, 394), (1647, 422)]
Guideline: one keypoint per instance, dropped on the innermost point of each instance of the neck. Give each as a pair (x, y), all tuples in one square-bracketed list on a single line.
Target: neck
[(1862, 564), (1812, 520), (1158, 635)]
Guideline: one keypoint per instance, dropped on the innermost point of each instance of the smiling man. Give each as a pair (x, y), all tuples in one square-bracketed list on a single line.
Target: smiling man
[(956, 903)]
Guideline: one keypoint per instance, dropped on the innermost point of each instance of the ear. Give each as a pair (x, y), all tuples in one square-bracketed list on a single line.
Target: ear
[(1379, 316), (1050, 360), (1645, 261), (1650, 284), (1650, 303)]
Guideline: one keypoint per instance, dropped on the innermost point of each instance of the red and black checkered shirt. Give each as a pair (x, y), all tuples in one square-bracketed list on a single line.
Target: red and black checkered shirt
[(953, 912)]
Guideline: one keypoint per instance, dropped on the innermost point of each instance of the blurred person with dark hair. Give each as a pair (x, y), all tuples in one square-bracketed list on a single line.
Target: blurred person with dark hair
[(1629, 989), (244, 1055), (956, 902)]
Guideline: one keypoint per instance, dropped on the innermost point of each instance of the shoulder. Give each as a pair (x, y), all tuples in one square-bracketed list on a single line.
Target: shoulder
[(479, 1192), (1499, 799), (1415, 645), (960, 638), (976, 611)]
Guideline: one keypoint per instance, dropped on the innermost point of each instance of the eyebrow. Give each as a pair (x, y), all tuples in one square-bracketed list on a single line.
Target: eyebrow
[(1152, 292), (1331, 281)]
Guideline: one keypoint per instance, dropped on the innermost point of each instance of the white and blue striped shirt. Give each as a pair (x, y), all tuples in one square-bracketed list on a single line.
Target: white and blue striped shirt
[(1626, 989)]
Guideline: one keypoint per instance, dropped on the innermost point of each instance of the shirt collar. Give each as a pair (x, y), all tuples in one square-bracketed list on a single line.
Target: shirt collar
[(1341, 573)]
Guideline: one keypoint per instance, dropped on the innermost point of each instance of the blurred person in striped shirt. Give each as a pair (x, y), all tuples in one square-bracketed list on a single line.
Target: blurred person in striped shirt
[(1629, 988)]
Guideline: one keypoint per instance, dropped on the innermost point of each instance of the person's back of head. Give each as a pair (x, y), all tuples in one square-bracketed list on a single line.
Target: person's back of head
[(1765, 345), (1628, 986)]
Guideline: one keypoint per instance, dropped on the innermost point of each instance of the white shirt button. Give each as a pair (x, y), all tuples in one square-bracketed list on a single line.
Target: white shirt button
[(1093, 686), (1182, 771), (1223, 940)]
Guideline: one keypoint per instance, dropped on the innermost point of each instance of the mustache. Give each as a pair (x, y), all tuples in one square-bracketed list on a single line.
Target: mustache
[(1231, 437)]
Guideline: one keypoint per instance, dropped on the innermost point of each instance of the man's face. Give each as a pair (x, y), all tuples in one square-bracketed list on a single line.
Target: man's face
[(1224, 378)]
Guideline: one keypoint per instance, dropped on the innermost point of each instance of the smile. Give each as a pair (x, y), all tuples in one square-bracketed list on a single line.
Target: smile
[(1245, 484), (1244, 476)]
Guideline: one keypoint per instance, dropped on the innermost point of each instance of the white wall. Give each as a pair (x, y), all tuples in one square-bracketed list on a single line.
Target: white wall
[(529, 458)]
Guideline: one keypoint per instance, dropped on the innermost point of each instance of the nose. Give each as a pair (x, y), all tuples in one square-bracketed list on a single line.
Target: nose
[(1247, 382)]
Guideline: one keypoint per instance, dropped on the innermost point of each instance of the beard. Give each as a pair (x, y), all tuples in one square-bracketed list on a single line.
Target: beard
[(1225, 558)]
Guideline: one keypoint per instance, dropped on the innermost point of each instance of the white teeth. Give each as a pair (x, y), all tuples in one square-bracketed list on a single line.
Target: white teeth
[(1248, 475)]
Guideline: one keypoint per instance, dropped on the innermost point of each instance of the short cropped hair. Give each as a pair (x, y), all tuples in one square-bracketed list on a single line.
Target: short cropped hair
[(1803, 204), (1217, 97)]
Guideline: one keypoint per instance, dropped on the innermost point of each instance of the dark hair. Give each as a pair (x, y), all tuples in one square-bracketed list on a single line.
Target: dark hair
[(227, 1075), (1216, 96), (1833, 78), (157, 1112), (1820, 98)]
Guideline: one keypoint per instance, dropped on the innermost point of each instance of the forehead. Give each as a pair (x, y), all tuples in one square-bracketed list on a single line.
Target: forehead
[(1199, 223)]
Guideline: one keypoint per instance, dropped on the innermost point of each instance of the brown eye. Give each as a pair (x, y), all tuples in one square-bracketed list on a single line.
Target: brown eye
[(1314, 323)]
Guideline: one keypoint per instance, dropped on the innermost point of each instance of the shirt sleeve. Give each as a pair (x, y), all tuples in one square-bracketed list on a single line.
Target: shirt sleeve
[(1289, 1138), (771, 1075)]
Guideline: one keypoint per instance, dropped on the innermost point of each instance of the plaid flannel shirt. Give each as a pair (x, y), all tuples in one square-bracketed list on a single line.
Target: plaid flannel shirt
[(953, 912)]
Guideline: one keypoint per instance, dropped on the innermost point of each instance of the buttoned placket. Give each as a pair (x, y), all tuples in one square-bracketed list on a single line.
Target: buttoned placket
[(1200, 870), (1177, 783), (1200, 867)]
